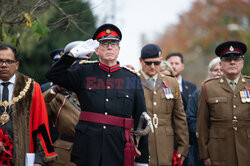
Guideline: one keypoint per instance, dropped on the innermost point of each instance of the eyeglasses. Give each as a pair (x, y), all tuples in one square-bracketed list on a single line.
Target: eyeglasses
[(229, 59), (149, 63), (7, 62), (105, 44)]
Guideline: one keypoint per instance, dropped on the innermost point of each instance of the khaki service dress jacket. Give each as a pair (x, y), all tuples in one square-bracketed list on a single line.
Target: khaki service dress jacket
[(171, 121), (65, 116), (223, 124)]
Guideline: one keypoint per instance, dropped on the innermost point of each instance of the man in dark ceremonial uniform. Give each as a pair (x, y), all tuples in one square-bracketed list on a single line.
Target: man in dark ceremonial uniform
[(111, 100), (55, 55)]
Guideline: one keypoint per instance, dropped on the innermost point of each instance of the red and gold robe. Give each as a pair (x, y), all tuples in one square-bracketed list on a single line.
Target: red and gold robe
[(30, 123)]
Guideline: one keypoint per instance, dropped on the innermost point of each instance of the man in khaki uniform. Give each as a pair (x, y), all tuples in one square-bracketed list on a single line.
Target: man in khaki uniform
[(64, 110), (164, 106), (223, 124)]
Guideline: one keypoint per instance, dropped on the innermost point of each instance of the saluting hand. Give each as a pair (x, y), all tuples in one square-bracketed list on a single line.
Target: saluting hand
[(84, 49)]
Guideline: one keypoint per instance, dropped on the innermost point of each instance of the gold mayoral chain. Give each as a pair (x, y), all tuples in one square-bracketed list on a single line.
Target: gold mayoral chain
[(5, 117)]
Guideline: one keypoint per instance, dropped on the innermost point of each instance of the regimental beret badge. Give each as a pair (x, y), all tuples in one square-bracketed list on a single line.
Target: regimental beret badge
[(159, 53), (231, 48), (108, 31)]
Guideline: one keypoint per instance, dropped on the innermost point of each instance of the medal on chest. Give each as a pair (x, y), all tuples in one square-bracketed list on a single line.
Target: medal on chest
[(245, 95), (167, 91)]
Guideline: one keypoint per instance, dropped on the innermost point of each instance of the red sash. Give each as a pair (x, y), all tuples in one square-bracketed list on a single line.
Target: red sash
[(126, 123)]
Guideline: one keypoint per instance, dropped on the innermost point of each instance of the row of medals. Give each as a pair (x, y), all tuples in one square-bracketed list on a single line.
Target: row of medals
[(245, 96), (5, 117)]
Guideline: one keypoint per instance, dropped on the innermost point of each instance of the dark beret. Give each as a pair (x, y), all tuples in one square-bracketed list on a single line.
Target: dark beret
[(231, 49), (151, 51), (56, 54), (107, 32)]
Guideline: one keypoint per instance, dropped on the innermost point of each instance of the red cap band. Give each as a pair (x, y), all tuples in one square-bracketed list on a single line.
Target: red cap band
[(228, 50), (104, 33)]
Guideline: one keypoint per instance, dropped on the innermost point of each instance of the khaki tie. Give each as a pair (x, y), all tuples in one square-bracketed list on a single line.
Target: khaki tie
[(233, 85), (151, 83)]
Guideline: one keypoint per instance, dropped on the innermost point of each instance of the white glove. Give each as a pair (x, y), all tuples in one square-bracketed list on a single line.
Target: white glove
[(141, 164), (85, 49), (71, 45)]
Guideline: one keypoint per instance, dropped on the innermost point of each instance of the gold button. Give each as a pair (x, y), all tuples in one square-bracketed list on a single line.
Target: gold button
[(104, 127), (155, 103), (234, 106), (155, 92), (216, 101), (235, 117), (106, 113), (107, 99)]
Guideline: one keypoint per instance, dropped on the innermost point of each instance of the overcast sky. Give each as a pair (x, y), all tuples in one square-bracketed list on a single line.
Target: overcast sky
[(136, 18)]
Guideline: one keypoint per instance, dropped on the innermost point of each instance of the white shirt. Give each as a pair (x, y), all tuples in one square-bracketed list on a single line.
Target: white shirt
[(180, 83), (10, 86)]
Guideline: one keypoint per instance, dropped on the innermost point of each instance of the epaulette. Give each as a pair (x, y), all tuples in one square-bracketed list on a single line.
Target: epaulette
[(133, 71), (164, 75), (210, 79), (204, 86), (86, 61), (247, 77)]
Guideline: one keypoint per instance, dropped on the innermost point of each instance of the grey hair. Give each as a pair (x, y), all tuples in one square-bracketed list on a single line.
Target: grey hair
[(212, 63), (165, 65)]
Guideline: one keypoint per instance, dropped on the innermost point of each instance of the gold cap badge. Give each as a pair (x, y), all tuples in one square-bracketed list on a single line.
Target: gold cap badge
[(108, 31), (231, 48)]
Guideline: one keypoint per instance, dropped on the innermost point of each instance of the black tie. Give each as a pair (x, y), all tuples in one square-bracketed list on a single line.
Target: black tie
[(5, 91)]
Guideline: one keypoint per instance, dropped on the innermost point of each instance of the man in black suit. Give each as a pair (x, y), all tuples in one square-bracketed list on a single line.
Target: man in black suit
[(186, 87)]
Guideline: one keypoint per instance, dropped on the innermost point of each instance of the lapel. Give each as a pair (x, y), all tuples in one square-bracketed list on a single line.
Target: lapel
[(224, 84), (241, 84), (157, 83), (184, 88), (144, 81)]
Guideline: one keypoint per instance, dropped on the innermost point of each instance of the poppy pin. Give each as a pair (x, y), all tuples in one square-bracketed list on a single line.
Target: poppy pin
[(166, 84)]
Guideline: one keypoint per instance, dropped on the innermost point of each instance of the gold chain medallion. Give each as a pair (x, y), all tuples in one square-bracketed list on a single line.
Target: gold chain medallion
[(5, 117)]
